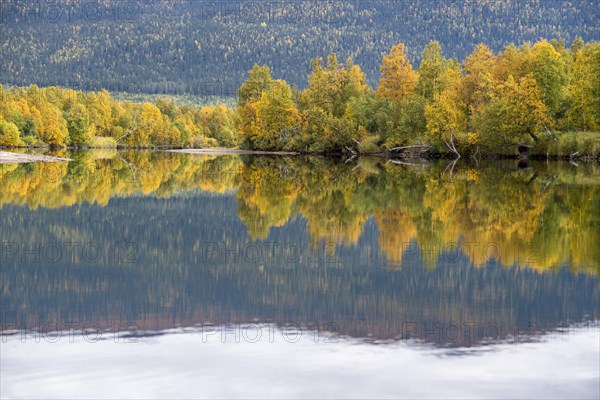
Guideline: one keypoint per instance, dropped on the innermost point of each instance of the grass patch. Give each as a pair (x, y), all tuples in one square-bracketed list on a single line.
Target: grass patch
[(566, 144)]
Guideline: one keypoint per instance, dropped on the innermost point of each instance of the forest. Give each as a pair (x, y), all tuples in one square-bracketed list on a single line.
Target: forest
[(205, 47), (541, 98)]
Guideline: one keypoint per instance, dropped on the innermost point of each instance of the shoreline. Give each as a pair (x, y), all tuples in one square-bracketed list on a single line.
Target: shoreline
[(7, 157), (388, 155)]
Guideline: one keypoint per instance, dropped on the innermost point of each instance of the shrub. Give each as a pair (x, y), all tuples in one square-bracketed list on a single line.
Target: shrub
[(9, 135), (104, 143), (200, 142), (369, 145)]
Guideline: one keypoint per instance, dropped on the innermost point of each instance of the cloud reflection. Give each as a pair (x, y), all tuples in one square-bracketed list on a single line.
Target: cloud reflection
[(196, 364)]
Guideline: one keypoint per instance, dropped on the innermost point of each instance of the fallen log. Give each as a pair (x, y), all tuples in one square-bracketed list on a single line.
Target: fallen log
[(416, 146)]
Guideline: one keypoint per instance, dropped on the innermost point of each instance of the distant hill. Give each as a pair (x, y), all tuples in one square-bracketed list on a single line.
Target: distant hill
[(206, 47)]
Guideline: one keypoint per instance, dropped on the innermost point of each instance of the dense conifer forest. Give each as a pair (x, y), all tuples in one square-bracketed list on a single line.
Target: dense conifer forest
[(206, 47)]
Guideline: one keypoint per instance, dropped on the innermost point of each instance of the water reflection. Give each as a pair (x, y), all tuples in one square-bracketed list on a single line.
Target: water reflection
[(456, 256), (544, 216)]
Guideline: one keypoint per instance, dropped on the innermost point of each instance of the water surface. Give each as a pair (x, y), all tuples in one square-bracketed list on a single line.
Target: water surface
[(138, 262)]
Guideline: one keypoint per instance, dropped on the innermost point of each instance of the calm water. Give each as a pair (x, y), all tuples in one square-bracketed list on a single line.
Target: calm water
[(144, 274)]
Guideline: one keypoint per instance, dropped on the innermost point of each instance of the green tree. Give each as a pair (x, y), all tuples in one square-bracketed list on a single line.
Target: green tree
[(78, 125), (431, 70), (550, 71)]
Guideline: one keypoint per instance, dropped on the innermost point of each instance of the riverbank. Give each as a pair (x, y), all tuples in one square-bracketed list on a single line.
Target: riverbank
[(397, 155), (17, 158), (9, 157)]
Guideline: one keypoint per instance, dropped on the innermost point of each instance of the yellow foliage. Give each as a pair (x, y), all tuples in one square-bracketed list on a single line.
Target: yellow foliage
[(398, 79)]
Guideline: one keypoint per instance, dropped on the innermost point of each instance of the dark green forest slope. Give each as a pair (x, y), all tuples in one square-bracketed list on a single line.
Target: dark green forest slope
[(206, 47)]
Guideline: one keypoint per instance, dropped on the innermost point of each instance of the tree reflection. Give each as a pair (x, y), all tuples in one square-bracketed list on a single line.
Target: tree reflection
[(544, 216)]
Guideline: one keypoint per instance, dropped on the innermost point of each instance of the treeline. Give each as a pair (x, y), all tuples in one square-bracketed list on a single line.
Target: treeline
[(205, 47), (60, 117), (542, 98), (488, 102)]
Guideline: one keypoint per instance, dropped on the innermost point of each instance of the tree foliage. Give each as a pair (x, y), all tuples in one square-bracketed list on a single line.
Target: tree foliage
[(523, 96), (398, 79), (64, 117)]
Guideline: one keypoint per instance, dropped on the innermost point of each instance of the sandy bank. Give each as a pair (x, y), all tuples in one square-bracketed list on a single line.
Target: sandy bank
[(11, 158)]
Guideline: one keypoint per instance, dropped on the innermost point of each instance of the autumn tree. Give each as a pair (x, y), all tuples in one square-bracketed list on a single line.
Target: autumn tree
[(488, 100), (54, 131), (516, 113), (277, 118), (446, 116), (250, 92), (513, 61), (220, 122), (477, 69), (583, 92), (398, 79), (100, 112), (145, 125), (324, 102)]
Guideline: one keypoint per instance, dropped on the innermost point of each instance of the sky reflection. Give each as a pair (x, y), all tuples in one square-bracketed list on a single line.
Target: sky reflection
[(211, 363)]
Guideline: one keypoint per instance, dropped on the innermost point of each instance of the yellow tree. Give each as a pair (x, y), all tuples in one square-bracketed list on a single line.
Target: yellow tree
[(149, 121), (100, 111), (446, 116), (9, 134), (276, 118), (583, 112), (55, 131), (398, 79), (165, 133), (512, 61), (250, 92), (516, 113), (477, 68), (357, 80)]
